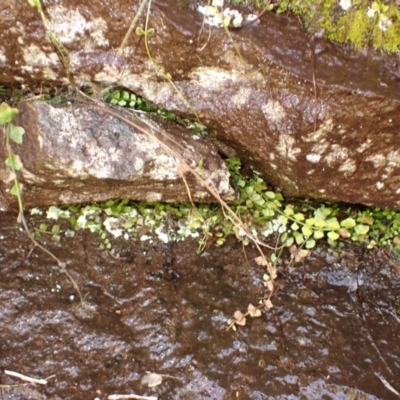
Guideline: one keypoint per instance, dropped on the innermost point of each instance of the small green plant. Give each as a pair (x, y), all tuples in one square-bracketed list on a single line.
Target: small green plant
[(13, 162), (125, 98)]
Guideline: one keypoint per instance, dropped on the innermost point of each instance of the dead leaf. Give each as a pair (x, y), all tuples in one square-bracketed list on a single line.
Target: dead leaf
[(260, 261), (151, 379), (9, 176), (253, 311), (344, 233), (301, 254), (240, 319), (272, 272), (269, 285), (268, 303)]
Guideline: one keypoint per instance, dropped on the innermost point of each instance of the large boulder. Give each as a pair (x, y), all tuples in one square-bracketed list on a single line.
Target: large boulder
[(317, 119), (76, 153)]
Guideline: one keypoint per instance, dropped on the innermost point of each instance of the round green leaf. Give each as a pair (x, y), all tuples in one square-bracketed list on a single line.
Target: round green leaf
[(289, 211), (270, 195), (318, 235), (282, 220), (320, 224), (299, 217), (306, 230), (298, 237), (289, 241), (348, 223), (361, 229), (332, 224), (7, 113), (333, 235), (310, 243), (16, 133)]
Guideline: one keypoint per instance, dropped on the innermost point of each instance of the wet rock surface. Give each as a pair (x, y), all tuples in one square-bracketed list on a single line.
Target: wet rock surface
[(333, 332), (76, 153), (334, 138)]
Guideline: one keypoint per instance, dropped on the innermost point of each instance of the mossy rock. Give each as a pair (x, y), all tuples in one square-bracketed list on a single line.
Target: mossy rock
[(361, 23)]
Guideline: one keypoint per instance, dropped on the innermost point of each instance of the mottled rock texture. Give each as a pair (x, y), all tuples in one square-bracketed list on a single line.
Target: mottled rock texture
[(80, 153), (342, 144)]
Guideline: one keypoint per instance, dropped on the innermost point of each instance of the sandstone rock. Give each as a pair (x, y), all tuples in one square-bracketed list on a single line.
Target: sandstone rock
[(339, 145), (78, 153)]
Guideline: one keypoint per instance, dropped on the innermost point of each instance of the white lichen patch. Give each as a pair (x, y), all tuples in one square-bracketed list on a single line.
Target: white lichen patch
[(50, 74), (67, 23), (337, 154), (97, 30), (112, 225), (320, 147), (323, 130), (55, 213), (3, 57), (379, 160), (364, 146), (286, 147), (273, 111), (34, 56), (87, 156), (313, 158), (139, 165), (164, 168), (162, 235), (241, 97), (29, 177), (153, 197), (393, 158), (348, 167), (274, 226), (213, 78), (219, 179)]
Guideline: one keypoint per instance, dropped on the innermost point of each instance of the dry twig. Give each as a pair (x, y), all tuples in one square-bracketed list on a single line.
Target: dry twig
[(130, 396), (25, 378)]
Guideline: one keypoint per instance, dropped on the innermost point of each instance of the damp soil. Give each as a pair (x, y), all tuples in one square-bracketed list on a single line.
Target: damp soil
[(333, 332)]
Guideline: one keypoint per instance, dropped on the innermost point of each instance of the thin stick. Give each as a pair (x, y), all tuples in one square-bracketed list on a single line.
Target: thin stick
[(129, 32), (130, 396), (314, 78), (25, 378)]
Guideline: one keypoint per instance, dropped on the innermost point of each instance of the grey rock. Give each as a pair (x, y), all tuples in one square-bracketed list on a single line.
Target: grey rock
[(78, 153)]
